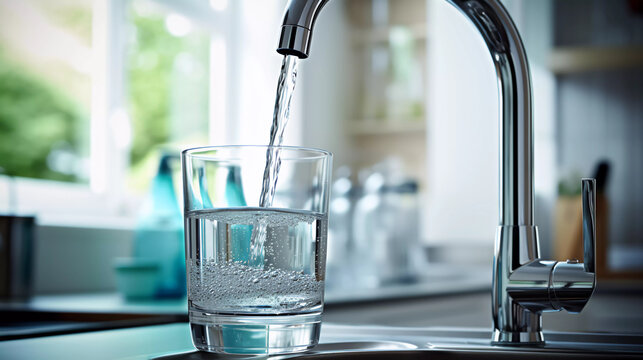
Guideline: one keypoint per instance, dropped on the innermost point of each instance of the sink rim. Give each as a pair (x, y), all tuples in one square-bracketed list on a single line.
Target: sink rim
[(366, 341), (479, 339)]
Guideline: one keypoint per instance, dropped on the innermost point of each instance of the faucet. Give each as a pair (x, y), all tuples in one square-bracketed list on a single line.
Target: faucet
[(524, 285)]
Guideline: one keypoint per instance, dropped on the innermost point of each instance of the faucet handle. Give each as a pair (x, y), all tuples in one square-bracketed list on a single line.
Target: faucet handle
[(588, 191), (572, 283)]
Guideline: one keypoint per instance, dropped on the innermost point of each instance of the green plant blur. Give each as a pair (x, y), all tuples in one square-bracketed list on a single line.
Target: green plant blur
[(41, 114), (156, 89), (34, 120), (44, 102)]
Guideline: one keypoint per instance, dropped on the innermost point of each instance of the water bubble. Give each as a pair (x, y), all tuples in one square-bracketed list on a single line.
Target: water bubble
[(224, 286)]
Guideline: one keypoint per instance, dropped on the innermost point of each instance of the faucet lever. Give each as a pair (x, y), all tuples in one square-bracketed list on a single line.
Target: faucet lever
[(572, 283), (588, 186)]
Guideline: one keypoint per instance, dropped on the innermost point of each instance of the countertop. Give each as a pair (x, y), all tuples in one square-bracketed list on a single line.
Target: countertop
[(442, 282), (608, 311), (50, 315), (133, 343), (615, 307)]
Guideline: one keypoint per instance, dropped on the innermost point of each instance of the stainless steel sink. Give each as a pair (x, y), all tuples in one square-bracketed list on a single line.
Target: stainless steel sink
[(368, 342)]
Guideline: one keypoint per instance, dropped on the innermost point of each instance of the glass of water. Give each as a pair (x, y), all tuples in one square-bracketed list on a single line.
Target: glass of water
[(255, 273)]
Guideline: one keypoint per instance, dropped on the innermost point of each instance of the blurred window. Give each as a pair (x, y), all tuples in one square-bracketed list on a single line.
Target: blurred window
[(168, 85), (45, 88), (92, 91)]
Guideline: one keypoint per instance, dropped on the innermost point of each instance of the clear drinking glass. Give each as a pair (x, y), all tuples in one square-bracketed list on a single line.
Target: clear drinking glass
[(244, 297)]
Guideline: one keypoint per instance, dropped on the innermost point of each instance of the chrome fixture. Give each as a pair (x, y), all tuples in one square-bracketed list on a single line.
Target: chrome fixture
[(524, 285), (297, 27)]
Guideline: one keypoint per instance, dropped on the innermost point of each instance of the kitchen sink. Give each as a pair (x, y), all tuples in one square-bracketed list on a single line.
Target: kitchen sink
[(381, 342)]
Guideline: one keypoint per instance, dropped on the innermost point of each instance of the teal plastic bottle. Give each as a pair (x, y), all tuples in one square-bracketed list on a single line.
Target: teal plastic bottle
[(159, 233)]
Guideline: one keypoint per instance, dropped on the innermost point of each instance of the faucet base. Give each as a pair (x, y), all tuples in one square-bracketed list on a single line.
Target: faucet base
[(517, 338)]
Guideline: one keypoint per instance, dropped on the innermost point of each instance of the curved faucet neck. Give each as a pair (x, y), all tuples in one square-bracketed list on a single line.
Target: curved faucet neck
[(501, 36)]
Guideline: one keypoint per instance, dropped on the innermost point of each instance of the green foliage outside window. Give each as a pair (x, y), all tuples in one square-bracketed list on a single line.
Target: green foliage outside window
[(39, 115), (154, 88), (150, 63), (34, 120)]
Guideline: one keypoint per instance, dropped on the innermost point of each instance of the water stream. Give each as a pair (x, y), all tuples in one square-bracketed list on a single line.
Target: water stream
[(285, 90)]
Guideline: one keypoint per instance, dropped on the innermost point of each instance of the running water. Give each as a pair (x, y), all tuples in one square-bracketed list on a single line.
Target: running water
[(285, 90)]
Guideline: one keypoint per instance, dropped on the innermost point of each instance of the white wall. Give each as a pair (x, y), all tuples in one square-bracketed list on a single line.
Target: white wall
[(254, 66), (463, 127), (462, 131), (325, 84)]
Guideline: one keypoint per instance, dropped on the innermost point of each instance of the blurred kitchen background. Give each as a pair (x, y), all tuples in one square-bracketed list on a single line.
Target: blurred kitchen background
[(97, 98)]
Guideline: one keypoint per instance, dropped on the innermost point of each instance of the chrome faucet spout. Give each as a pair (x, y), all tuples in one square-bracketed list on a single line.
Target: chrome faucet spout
[(297, 27), (524, 285)]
